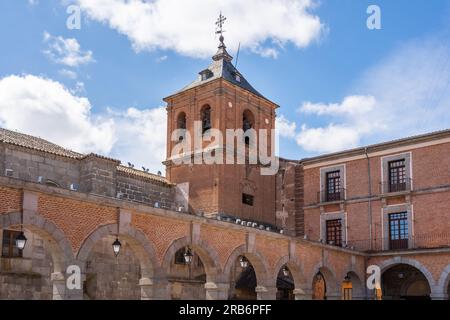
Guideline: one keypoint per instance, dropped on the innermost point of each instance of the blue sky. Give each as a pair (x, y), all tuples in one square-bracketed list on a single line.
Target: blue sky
[(339, 84)]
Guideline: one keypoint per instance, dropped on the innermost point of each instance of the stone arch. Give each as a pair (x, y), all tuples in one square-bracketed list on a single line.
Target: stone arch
[(444, 283), (390, 263), (331, 283), (206, 253), (257, 260), (295, 270), (358, 285), (206, 117), (139, 243), (54, 238), (385, 265)]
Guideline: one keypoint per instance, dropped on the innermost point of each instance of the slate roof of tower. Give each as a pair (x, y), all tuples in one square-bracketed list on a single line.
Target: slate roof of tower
[(226, 70), (223, 68)]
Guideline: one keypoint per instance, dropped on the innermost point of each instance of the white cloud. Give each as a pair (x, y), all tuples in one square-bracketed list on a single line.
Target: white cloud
[(33, 2), (406, 94), (285, 128), (351, 105), (66, 51), (186, 27), (45, 108), (68, 74), (162, 59), (327, 139), (141, 137)]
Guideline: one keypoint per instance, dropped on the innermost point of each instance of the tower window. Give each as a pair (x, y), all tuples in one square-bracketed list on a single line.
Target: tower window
[(206, 118), (181, 124), (247, 199), (247, 123)]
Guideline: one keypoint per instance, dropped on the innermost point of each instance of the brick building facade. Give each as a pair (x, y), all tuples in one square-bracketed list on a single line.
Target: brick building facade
[(308, 232)]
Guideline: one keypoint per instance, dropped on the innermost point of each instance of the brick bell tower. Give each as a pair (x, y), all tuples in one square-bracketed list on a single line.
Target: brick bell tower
[(221, 98)]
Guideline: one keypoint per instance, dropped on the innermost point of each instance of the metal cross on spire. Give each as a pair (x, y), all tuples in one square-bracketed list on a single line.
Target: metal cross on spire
[(220, 22)]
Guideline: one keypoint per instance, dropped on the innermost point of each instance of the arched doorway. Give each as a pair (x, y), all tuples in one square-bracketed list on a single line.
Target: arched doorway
[(20, 276), (243, 280), (193, 280), (404, 282), (187, 276), (352, 287), (27, 274), (285, 284), (319, 291), (116, 275), (111, 277)]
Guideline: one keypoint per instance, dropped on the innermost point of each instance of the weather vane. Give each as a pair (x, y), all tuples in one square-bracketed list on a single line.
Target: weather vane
[(220, 22)]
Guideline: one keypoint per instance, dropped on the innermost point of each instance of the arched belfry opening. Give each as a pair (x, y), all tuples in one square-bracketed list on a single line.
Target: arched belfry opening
[(205, 116)]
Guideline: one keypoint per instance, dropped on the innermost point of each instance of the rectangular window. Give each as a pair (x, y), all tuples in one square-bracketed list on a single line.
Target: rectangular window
[(334, 232), (333, 191), (398, 231), (397, 175), (247, 199), (9, 249)]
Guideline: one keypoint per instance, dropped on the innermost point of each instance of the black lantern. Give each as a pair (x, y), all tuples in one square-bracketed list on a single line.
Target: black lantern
[(286, 271), (21, 241), (347, 279), (244, 262), (116, 247), (188, 256)]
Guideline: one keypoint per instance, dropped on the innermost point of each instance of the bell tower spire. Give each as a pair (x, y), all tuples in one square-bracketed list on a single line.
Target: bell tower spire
[(222, 53)]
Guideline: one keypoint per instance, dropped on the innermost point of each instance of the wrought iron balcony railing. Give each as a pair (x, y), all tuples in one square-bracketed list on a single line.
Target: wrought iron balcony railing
[(392, 187), (330, 196), (424, 241)]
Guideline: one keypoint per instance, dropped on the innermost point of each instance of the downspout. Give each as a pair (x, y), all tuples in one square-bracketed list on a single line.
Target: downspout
[(369, 176)]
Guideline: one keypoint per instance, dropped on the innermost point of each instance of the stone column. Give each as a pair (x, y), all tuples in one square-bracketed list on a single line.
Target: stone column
[(217, 291), (59, 285), (301, 294), (266, 293)]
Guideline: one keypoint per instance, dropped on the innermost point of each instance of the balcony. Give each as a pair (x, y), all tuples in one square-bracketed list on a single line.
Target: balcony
[(389, 187), (417, 242), (325, 196)]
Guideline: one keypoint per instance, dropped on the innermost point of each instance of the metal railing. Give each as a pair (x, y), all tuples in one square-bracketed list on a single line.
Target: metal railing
[(392, 187), (326, 196), (424, 241)]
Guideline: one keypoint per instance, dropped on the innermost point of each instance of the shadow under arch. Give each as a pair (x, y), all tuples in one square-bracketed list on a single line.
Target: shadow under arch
[(258, 262), (387, 264), (139, 243), (54, 238), (295, 270), (425, 291)]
